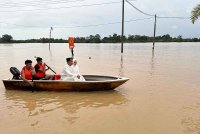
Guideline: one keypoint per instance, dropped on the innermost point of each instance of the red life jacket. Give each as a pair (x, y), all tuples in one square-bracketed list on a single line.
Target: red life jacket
[(27, 73), (40, 74)]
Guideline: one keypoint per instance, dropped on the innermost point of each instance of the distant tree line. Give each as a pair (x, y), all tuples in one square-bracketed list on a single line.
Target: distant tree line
[(115, 38)]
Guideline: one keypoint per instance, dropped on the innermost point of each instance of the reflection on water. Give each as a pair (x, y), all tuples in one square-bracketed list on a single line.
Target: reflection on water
[(121, 66), (8, 45), (152, 62), (41, 103), (50, 55)]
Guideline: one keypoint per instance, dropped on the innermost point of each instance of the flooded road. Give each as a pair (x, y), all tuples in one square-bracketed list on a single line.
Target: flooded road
[(161, 97)]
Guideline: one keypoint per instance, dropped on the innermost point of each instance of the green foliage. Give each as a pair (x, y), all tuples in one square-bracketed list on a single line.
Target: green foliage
[(6, 38), (115, 38), (90, 39), (195, 13), (112, 39)]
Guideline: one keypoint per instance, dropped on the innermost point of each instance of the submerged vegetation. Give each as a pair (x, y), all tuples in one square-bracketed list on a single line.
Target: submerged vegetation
[(115, 38)]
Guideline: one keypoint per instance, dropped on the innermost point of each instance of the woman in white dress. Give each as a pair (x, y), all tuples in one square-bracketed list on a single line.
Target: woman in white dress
[(76, 71)]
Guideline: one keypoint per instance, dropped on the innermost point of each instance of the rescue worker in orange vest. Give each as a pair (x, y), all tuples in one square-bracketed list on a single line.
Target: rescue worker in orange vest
[(40, 69), (28, 72)]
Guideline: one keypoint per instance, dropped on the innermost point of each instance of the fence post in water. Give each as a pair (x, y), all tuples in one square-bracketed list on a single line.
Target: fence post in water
[(122, 36), (154, 34), (51, 29)]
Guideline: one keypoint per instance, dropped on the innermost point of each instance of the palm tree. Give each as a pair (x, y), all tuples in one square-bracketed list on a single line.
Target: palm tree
[(195, 13)]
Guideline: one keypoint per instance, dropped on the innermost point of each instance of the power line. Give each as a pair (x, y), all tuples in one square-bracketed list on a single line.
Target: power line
[(138, 9), (147, 14), (39, 3), (21, 25), (110, 23), (49, 8), (173, 17), (29, 2), (36, 3), (81, 26)]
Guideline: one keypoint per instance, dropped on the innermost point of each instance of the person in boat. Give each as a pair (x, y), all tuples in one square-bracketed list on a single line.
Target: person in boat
[(40, 69), (68, 72), (28, 72), (76, 71)]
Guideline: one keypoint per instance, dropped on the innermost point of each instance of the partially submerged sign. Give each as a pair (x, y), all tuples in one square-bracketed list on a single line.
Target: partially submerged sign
[(71, 42)]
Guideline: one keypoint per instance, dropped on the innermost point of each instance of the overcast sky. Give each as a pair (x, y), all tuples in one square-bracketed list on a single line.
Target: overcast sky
[(23, 20)]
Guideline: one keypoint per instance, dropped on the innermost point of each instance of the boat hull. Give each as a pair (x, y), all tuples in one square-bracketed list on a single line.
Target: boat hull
[(92, 83)]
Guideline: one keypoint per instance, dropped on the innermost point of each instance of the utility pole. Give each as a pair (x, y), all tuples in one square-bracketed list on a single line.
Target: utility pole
[(122, 36), (154, 34), (51, 29)]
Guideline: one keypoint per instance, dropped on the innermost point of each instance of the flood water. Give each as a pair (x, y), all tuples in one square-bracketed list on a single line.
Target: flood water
[(161, 97)]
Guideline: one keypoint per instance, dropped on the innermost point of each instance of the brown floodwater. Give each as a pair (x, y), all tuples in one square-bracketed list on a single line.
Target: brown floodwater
[(161, 97)]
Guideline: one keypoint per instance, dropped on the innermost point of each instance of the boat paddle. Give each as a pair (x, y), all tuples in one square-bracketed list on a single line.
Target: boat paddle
[(32, 86), (47, 66), (51, 69)]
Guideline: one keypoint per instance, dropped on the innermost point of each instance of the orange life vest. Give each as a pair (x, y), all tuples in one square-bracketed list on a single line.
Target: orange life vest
[(40, 74), (27, 73)]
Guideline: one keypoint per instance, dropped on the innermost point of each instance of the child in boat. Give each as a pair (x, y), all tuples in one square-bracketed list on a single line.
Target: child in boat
[(76, 71)]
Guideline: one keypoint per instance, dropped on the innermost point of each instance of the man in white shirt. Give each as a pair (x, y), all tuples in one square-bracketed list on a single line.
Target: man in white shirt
[(68, 72)]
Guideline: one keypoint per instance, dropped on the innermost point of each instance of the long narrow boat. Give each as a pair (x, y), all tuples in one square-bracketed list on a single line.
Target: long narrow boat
[(92, 83)]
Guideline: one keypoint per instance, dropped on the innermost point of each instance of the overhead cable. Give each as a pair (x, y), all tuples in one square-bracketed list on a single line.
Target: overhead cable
[(42, 3), (162, 17), (91, 25), (49, 8)]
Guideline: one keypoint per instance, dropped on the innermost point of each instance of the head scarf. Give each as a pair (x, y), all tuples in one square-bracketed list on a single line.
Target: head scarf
[(74, 60)]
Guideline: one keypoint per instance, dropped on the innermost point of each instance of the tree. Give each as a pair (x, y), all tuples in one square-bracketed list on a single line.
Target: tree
[(179, 38), (195, 13), (166, 38), (6, 38), (97, 38), (116, 38), (44, 40)]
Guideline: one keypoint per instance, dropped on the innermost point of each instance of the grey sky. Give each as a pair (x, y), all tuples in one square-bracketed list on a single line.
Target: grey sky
[(38, 22)]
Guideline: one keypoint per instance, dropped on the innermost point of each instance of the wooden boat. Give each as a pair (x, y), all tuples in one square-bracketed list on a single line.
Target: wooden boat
[(92, 83)]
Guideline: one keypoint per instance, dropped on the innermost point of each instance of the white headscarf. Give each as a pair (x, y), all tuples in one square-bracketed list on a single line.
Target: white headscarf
[(74, 60)]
